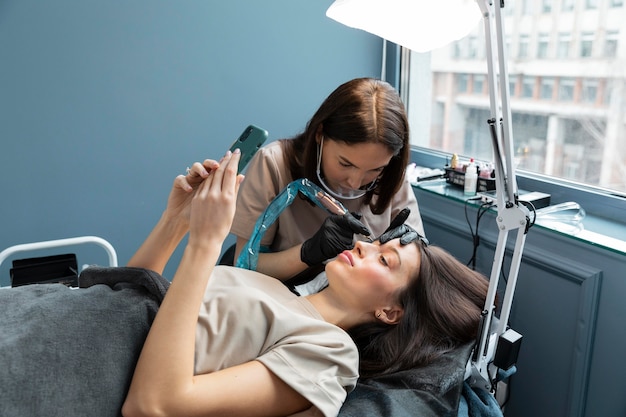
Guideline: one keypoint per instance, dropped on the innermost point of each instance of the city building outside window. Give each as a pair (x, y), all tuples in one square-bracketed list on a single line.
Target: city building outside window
[(568, 119)]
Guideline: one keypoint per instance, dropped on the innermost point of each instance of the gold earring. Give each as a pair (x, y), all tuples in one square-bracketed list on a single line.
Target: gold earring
[(378, 315)]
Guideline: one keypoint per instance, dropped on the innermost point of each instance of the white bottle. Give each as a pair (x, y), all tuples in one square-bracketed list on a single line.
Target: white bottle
[(471, 179)]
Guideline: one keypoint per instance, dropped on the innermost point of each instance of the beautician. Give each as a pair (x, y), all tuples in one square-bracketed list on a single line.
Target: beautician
[(356, 146)]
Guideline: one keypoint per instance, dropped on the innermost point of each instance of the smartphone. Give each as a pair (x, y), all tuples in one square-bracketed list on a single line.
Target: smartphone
[(250, 140)]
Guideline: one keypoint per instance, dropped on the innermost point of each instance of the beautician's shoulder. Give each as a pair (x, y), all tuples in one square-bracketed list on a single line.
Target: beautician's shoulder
[(273, 151), (269, 163)]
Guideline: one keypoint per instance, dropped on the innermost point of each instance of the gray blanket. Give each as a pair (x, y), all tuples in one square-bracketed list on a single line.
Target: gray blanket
[(72, 352)]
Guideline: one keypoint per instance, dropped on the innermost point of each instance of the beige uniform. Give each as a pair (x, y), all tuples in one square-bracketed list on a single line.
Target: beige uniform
[(267, 176), (250, 316)]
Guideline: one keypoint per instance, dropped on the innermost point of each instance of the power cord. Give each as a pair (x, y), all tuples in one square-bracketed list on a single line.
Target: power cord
[(482, 209)]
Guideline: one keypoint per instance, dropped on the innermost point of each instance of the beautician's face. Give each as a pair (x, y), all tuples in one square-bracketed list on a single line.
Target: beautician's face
[(371, 274), (353, 166)]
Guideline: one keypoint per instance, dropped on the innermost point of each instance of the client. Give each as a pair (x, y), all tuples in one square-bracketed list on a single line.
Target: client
[(228, 341)]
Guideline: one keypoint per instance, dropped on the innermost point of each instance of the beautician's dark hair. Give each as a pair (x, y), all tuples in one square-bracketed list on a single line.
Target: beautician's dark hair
[(362, 110), (442, 307)]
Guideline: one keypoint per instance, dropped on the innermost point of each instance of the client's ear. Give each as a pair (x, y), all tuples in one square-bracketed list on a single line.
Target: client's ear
[(319, 134), (390, 315)]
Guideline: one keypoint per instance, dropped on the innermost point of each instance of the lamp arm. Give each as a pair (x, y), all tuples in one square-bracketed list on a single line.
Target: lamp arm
[(511, 215)]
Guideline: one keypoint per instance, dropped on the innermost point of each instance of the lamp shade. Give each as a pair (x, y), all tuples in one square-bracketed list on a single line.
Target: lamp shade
[(420, 25)]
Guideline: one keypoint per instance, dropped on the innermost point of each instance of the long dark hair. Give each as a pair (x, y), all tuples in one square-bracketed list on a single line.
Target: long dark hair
[(442, 308), (362, 110)]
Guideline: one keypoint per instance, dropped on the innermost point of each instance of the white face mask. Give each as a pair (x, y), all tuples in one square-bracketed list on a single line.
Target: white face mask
[(342, 193)]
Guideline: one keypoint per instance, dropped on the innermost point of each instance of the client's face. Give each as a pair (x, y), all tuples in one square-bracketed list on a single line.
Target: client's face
[(372, 274)]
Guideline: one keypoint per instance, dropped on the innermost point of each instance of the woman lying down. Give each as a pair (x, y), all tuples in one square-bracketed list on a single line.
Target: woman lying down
[(257, 349)]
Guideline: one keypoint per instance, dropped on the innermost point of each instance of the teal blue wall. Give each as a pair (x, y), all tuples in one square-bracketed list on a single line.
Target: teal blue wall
[(103, 103)]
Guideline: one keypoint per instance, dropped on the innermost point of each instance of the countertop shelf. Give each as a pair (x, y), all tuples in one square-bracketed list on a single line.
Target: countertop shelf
[(593, 230)]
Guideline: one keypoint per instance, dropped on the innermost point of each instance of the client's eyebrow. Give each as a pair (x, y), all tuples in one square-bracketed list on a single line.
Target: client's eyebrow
[(392, 248), (398, 255)]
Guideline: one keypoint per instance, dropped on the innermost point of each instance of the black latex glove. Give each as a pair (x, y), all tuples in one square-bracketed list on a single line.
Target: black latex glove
[(335, 236), (397, 229)]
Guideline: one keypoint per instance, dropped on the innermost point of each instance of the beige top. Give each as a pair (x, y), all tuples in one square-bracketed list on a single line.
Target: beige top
[(247, 315), (267, 175)]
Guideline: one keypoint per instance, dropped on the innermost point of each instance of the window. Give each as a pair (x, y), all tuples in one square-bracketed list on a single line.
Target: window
[(512, 84), (473, 47), (591, 4), (528, 87), (542, 45), (589, 93), (566, 89), (461, 83), (510, 10), (567, 5), (547, 88), (524, 40), (568, 123), (610, 45), (586, 44), (479, 82), (616, 3), (562, 50), (456, 51), (546, 6)]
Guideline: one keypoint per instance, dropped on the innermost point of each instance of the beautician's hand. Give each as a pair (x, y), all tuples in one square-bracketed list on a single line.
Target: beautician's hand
[(397, 229), (335, 236), (184, 187)]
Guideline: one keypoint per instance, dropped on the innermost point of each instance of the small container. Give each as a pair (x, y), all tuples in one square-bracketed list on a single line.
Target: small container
[(454, 161), (471, 179)]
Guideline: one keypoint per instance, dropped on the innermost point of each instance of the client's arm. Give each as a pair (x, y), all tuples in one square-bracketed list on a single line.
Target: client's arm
[(164, 383)]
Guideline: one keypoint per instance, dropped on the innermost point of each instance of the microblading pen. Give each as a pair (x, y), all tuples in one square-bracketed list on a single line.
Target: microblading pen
[(335, 207)]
